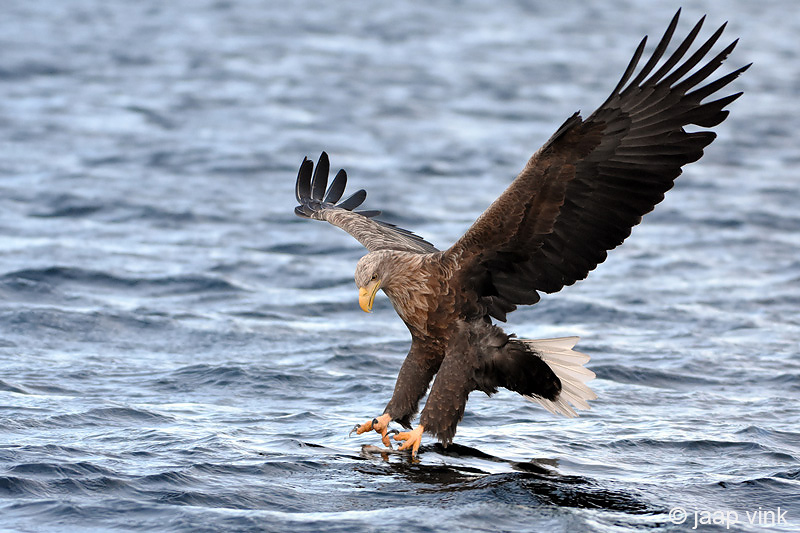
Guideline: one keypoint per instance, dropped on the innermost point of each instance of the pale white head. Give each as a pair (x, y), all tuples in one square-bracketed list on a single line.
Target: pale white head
[(372, 273), (405, 279)]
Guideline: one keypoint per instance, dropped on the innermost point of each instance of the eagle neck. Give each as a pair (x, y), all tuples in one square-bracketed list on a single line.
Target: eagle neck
[(410, 288)]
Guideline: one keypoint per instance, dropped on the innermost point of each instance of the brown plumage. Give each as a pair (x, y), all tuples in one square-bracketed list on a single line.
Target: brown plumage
[(577, 197)]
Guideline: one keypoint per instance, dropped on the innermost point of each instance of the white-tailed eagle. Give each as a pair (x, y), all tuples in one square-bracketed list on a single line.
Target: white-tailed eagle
[(578, 196)]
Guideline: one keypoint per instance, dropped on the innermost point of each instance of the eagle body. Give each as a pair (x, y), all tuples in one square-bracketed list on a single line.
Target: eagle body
[(577, 197), (452, 339)]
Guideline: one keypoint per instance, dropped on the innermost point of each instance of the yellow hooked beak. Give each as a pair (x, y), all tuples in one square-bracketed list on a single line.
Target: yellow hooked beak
[(366, 295)]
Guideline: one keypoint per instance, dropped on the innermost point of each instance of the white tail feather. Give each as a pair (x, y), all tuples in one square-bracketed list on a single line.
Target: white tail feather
[(567, 364)]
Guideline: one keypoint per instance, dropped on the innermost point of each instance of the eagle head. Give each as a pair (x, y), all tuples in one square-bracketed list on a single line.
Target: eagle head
[(371, 275), (404, 277)]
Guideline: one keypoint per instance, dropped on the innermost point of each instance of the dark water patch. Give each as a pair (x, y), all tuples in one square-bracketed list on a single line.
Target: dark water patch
[(13, 486), (319, 309), (259, 315), (703, 446), (651, 377), (357, 388), (303, 249), (533, 484), (765, 492), (240, 169), (773, 221), (790, 382), (325, 283), (24, 420), (167, 479), (90, 486), (788, 300), (34, 279), (48, 388), (69, 211), (161, 217), (153, 117), (91, 326), (19, 286), (109, 416), (116, 210), (573, 491), (47, 451), (60, 470), (784, 442), (180, 161), (193, 284), (8, 387), (520, 489), (238, 377), (793, 475), (567, 311), (721, 223), (285, 501), (58, 274), (362, 361), (276, 467), (67, 205), (30, 69), (55, 513), (430, 479), (109, 160)]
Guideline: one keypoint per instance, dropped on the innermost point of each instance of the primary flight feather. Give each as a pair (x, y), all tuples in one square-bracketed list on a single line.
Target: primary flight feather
[(577, 197)]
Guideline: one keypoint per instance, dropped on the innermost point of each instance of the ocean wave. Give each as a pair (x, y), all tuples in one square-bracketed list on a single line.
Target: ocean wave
[(651, 377), (703, 446), (181, 353), (44, 279), (220, 376), (8, 387), (117, 211), (106, 416)]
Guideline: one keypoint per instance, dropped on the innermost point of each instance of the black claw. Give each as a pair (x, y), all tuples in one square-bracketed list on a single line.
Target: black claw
[(354, 429)]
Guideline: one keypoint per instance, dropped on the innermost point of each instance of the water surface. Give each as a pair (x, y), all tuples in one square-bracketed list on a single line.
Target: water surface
[(179, 352)]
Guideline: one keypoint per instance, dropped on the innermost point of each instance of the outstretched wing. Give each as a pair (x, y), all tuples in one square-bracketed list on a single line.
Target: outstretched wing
[(584, 190), (318, 204)]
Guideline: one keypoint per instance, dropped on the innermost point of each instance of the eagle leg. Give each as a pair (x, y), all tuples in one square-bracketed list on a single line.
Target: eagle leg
[(380, 425), (412, 439)]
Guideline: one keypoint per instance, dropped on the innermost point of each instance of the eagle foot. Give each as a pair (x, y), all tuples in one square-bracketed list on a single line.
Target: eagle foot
[(380, 425), (412, 439)]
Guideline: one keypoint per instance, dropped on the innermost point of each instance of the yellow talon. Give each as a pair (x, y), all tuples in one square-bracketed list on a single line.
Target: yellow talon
[(412, 439), (380, 425)]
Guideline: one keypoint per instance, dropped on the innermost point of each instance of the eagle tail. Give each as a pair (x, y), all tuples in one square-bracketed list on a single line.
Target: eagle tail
[(567, 364)]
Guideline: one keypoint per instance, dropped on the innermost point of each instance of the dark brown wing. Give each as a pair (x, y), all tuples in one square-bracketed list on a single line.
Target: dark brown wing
[(318, 204), (583, 191)]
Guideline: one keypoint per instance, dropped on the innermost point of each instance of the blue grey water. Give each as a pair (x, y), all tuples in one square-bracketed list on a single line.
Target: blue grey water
[(180, 352)]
